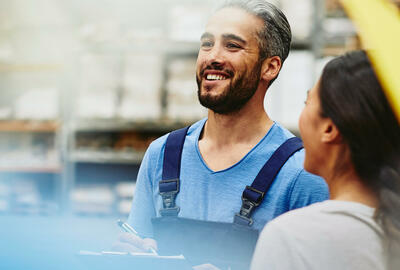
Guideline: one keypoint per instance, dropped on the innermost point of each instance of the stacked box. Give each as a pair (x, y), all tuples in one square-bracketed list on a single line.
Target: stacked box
[(186, 22), (99, 79), (182, 100), (142, 80), (300, 17)]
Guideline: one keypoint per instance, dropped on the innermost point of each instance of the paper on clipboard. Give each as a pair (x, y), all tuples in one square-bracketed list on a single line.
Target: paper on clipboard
[(131, 254), (110, 260)]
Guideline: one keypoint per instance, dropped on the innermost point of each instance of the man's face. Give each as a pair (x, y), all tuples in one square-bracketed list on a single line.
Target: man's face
[(228, 65)]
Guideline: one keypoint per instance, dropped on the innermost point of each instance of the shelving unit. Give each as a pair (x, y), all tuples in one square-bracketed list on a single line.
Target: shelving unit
[(42, 168), (30, 167), (122, 157), (337, 32), (29, 67), (114, 160), (99, 125), (28, 126)]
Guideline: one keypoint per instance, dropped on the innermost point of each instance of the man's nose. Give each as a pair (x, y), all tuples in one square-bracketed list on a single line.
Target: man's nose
[(216, 56)]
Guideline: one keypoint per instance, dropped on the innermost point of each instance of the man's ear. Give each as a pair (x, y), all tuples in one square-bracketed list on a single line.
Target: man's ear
[(330, 133), (270, 68)]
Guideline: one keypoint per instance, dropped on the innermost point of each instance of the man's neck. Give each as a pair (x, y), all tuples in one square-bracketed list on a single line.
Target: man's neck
[(227, 138), (246, 126)]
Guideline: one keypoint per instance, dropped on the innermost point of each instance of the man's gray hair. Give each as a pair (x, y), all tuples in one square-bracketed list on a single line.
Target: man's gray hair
[(275, 37)]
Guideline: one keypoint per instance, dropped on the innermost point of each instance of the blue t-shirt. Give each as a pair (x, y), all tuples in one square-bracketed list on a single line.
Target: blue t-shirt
[(216, 195)]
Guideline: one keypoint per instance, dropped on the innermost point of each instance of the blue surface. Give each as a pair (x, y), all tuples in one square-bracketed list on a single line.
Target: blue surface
[(37, 242)]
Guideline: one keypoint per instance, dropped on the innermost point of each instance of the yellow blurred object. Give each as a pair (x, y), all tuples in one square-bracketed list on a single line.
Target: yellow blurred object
[(378, 22)]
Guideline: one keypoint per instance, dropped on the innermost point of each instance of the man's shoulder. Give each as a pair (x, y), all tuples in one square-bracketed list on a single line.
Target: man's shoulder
[(158, 144), (303, 187), (296, 160), (279, 135)]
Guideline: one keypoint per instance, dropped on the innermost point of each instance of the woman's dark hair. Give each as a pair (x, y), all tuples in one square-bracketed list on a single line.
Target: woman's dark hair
[(353, 99)]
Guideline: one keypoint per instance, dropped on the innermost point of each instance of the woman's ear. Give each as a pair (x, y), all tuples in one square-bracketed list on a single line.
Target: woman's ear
[(330, 133), (270, 68)]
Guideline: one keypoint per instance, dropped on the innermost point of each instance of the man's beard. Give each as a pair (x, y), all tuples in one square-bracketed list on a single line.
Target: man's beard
[(235, 95)]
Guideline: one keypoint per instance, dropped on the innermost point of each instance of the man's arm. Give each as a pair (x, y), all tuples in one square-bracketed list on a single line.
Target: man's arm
[(143, 209)]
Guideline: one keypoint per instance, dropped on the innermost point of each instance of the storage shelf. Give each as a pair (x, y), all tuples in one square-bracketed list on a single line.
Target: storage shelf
[(151, 46), (117, 124), (29, 67), (113, 157), (31, 169), (28, 126), (301, 44)]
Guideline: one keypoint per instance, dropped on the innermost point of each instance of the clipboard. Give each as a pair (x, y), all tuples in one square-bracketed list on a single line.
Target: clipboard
[(110, 260)]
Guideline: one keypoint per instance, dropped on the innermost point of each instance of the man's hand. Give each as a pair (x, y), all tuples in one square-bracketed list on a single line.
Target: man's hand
[(128, 242)]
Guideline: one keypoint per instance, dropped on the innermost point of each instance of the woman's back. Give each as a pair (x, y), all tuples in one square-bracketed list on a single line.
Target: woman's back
[(327, 235)]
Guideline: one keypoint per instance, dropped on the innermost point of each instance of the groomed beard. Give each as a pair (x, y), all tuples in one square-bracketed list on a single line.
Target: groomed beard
[(234, 96)]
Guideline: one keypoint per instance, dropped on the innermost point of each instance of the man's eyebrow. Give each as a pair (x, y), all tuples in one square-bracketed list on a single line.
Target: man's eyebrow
[(234, 37), (206, 35)]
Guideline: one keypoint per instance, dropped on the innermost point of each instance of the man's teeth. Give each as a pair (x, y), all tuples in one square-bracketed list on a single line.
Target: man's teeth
[(215, 77)]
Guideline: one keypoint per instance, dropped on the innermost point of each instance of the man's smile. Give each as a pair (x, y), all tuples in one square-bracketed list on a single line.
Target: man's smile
[(214, 77), (211, 77)]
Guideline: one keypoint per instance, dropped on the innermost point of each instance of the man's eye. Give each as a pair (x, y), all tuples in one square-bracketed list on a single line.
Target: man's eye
[(233, 46), (206, 44)]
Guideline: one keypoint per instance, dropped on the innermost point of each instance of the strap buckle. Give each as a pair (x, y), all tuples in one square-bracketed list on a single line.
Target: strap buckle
[(244, 215), (247, 207), (168, 198), (257, 200), (169, 212), (171, 188)]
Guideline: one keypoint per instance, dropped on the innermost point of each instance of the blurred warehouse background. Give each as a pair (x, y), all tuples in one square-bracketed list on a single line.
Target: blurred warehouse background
[(86, 85)]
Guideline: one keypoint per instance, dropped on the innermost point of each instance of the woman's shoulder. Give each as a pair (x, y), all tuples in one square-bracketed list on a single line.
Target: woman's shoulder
[(325, 235), (329, 209), (304, 214), (325, 218)]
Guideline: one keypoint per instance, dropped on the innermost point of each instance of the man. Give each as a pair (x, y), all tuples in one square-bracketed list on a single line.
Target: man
[(241, 54)]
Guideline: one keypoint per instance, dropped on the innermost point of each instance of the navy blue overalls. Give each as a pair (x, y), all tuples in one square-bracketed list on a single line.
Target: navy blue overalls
[(201, 241)]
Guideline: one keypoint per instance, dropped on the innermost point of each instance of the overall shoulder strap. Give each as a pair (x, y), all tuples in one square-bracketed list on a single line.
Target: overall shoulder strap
[(169, 185), (253, 195)]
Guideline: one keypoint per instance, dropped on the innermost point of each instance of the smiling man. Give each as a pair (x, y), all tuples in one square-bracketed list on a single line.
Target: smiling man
[(214, 175)]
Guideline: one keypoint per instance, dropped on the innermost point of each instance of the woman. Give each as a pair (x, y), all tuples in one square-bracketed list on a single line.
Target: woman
[(352, 139)]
